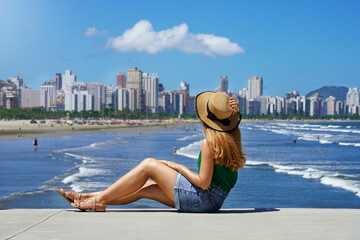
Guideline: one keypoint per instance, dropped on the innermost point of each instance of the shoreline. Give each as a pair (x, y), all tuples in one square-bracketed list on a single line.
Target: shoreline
[(22, 129)]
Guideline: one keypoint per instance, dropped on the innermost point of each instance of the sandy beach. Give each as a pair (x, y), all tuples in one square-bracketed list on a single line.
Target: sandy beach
[(23, 129)]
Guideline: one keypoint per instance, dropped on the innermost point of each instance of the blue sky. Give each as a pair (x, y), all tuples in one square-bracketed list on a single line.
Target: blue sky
[(293, 45)]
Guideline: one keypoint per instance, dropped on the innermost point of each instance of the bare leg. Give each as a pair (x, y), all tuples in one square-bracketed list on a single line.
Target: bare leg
[(136, 179), (150, 190)]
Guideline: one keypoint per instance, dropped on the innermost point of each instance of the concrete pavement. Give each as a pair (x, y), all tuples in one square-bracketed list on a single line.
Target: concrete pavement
[(169, 224)]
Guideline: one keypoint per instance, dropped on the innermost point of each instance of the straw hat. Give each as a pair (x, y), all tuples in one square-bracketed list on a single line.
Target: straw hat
[(214, 110)]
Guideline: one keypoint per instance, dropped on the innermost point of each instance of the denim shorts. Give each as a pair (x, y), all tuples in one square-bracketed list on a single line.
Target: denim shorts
[(190, 198)]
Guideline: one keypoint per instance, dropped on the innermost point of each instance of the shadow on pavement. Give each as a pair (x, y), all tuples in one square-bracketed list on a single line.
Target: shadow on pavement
[(255, 210), (222, 211)]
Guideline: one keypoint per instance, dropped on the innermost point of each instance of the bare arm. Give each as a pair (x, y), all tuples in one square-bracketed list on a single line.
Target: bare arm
[(203, 179), (234, 105)]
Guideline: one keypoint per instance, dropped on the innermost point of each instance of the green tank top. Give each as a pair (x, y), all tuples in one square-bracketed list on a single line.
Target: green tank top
[(223, 177)]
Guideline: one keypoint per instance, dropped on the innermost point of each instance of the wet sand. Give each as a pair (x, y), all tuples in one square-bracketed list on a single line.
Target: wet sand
[(23, 129)]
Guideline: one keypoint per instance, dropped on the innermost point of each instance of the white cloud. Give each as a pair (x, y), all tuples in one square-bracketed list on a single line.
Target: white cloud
[(93, 32), (142, 37)]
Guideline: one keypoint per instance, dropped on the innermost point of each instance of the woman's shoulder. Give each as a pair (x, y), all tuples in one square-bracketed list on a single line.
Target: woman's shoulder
[(204, 142), (205, 146)]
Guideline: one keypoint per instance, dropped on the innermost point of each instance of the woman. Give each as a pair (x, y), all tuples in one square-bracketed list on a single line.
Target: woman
[(174, 184)]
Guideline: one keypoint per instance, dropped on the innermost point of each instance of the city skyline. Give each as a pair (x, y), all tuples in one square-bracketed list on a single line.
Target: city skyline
[(293, 45)]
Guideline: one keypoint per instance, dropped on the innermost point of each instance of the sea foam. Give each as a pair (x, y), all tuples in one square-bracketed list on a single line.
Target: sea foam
[(191, 151), (84, 172)]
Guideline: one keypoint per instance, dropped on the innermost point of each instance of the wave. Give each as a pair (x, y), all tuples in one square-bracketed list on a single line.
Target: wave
[(191, 151), (349, 144), (307, 127), (91, 146), (350, 185), (188, 138), (47, 186), (84, 172), (21, 194), (324, 134), (344, 181), (88, 186)]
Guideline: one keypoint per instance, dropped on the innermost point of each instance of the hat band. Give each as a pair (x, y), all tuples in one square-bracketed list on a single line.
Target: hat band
[(212, 117)]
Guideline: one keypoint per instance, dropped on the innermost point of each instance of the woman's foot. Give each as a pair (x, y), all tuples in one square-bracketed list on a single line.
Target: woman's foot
[(89, 204), (70, 196)]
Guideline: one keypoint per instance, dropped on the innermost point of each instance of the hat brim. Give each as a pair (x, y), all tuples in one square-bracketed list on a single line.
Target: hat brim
[(201, 109)]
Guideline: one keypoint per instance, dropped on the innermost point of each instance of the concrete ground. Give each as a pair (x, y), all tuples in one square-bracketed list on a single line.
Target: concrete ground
[(169, 224)]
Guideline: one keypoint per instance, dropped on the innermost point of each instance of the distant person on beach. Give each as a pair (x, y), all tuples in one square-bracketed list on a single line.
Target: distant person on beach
[(35, 144), (294, 141), (174, 184)]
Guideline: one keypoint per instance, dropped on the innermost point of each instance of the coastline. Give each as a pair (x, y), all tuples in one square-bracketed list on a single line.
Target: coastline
[(23, 129)]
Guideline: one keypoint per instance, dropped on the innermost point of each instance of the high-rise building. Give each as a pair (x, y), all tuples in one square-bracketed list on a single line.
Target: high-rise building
[(224, 84), (134, 76), (97, 90), (121, 80), (339, 108), (292, 94), (47, 94), (304, 105), (174, 102), (184, 101), (352, 97), (315, 105), (253, 106), (272, 105), (184, 86), (164, 101), (263, 104), (243, 93), (331, 105), (255, 87), (122, 97), (2, 100), (280, 105), (79, 100), (110, 96), (150, 86), (290, 106), (58, 81), (30, 98), (352, 100), (68, 81), (133, 99), (17, 81)]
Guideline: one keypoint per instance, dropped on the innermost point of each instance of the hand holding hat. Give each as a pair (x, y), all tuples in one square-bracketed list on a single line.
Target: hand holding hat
[(218, 111), (234, 105)]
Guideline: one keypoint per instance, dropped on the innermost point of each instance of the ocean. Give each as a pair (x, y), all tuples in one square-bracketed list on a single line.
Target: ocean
[(320, 170)]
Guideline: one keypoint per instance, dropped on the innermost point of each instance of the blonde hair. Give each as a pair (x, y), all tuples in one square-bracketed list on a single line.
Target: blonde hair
[(226, 147)]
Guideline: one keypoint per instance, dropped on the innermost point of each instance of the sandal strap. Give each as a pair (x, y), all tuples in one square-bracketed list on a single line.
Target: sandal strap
[(89, 204), (71, 195)]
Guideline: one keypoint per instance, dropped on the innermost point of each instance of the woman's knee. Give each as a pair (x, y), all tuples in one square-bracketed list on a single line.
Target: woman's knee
[(148, 163)]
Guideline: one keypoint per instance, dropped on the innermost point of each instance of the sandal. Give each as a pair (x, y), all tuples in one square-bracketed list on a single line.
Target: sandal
[(89, 204), (69, 196)]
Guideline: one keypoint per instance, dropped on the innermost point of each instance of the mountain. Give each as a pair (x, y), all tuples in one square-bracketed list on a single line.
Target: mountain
[(326, 91)]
